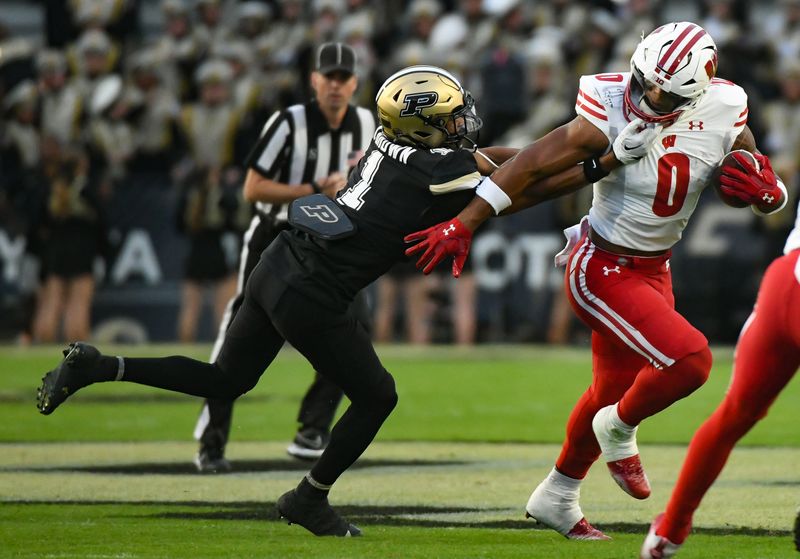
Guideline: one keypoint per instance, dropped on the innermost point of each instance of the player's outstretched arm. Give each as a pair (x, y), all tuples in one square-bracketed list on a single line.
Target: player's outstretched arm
[(565, 182), (490, 158), (511, 189)]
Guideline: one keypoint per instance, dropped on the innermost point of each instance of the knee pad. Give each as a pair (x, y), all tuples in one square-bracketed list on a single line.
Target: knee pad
[(696, 366)]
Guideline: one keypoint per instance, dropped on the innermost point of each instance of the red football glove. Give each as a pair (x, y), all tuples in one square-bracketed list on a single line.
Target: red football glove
[(759, 188), (449, 238)]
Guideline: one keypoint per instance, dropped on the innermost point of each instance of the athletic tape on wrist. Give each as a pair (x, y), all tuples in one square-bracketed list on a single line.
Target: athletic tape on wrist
[(493, 194)]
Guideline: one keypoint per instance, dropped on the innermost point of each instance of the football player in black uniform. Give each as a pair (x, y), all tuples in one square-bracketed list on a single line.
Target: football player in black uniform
[(413, 175)]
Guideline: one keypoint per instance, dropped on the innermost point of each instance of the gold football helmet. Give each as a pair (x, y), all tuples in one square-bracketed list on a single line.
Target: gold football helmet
[(426, 107)]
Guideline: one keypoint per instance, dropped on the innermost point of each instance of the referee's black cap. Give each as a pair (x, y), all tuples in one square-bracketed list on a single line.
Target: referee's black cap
[(336, 57)]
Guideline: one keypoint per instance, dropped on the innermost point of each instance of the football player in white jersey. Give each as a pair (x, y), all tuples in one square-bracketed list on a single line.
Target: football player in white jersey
[(767, 357), (645, 354)]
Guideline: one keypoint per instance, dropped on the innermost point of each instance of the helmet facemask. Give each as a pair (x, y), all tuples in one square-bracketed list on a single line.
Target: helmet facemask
[(637, 95), (460, 127)]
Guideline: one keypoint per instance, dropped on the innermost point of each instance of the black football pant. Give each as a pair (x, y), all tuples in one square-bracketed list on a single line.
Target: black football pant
[(336, 344), (319, 404)]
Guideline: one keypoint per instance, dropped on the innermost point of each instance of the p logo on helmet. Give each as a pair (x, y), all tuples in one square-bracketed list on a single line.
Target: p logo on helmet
[(415, 102), (426, 107)]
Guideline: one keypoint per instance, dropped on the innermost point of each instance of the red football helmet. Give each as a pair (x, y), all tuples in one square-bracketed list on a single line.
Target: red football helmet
[(679, 58)]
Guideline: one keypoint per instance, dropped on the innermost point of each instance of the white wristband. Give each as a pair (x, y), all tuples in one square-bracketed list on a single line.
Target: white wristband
[(493, 194)]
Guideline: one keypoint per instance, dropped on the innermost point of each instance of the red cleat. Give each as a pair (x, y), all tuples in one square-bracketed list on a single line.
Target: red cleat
[(617, 442), (585, 531), (630, 476)]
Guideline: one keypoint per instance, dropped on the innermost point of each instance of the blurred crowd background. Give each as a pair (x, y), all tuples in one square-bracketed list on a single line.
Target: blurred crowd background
[(125, 125)]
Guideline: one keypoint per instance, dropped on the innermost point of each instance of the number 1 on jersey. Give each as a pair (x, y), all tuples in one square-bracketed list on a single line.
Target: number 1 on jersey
[(354, 196)]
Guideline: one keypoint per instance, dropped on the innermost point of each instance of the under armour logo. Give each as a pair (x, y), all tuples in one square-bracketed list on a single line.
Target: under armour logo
[(695, 124), (768, 198), (607, 270), (448, 230), (320, 212)]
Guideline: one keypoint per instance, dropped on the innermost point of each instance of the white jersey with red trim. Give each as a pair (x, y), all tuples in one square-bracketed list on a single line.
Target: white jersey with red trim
[(646, 205), (793, 241)]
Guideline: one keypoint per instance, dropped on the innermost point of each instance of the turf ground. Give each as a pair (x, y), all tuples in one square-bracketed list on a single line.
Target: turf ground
[(109, 474)]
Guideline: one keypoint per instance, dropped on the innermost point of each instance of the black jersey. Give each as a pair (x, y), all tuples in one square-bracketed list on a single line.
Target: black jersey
[(395, 190)]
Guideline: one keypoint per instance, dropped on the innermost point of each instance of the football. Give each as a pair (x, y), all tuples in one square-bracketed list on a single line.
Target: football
[(730, 161)]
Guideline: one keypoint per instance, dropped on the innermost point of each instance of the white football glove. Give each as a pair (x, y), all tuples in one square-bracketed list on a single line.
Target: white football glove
[(634, 141)]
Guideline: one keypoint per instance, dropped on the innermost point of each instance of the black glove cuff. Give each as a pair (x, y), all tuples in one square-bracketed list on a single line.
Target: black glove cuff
[(592, 170)]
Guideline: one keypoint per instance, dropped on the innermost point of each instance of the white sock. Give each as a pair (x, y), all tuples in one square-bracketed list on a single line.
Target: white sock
[(564, 483), (617, 423)]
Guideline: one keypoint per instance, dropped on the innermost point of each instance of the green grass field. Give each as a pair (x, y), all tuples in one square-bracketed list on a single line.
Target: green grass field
[(110, 474)]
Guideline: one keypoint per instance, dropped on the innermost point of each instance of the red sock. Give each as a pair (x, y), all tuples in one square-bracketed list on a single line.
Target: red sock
[(580, 449), (614, 370), (707, 455), (654, 389)]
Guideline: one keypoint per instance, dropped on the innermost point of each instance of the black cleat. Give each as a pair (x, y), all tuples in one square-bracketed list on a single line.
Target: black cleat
[(66, 379), (316, 516), (211, 460), (308, 444)]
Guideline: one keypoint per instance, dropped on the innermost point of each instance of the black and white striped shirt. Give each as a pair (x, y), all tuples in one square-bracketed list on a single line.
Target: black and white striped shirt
[(297, 146)]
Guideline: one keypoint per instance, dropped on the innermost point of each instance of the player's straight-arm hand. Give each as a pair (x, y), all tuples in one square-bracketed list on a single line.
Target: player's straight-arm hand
[(546, 169), (258, 188)]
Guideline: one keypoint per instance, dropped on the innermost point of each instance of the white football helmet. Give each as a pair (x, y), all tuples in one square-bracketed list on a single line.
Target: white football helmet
[(680, 58)]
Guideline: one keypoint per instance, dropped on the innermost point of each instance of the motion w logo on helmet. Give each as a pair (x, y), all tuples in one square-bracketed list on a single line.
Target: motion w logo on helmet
[(415, 102)]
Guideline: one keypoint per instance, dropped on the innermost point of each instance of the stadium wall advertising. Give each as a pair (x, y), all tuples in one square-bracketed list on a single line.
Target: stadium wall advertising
[(716, 269)]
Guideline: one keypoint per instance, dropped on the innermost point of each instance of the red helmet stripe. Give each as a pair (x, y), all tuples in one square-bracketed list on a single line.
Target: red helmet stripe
[(744, 112), (688, 46), (674, 45), (594, 102)]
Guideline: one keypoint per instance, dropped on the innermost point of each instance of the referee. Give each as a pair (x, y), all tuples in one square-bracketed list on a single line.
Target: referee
[(303, 149)]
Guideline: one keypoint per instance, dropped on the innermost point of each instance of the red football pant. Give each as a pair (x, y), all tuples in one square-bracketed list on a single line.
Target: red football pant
[(767, 356), (645, 355)]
